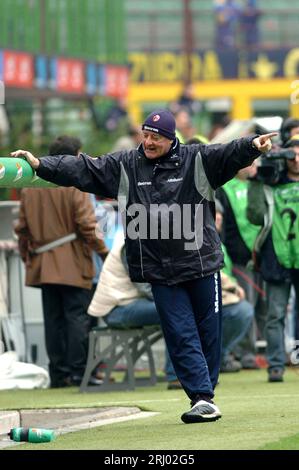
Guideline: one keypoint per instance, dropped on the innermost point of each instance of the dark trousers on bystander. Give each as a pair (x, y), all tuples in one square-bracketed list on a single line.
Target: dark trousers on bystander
[(66, 330)]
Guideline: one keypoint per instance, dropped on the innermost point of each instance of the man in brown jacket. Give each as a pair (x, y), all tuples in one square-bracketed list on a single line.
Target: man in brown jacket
[(63, 270)]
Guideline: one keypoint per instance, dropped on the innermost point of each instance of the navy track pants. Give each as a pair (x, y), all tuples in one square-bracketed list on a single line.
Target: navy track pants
[(190, 314)]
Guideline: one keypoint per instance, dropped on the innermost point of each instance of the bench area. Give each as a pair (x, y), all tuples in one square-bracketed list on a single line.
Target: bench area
[(128, 344)]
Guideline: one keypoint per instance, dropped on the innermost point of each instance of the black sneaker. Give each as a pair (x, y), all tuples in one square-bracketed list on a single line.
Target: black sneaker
[(230, 365), (249, 362), (201, 412), (275, 375), (77, 379), (61, 383)]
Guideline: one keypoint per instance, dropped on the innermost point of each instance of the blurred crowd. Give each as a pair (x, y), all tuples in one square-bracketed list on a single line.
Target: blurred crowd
[(233, 19)]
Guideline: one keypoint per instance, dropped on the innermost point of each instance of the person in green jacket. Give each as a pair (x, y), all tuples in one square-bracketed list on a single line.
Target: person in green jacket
[(277, 249), (239, 235)]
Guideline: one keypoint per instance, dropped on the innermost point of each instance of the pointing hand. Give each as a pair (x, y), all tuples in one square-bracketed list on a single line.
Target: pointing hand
[(263, 142)]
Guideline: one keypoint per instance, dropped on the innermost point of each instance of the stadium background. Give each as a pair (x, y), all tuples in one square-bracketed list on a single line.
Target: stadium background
[(64, 63)]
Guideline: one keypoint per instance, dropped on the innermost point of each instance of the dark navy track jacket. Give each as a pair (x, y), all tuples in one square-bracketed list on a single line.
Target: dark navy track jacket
[(167, 203)]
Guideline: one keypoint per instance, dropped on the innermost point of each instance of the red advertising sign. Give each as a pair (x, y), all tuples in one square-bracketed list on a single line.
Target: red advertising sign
[(64, 75), (18, 69), (70, 76), (116, 81), (123, 81)]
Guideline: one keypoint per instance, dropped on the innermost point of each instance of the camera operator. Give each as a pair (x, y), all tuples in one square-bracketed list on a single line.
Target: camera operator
[(288, 129), (273, 200), (239, 236)]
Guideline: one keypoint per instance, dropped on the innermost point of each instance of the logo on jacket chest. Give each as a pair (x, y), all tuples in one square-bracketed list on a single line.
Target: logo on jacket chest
[(170, 180), (174, 180)]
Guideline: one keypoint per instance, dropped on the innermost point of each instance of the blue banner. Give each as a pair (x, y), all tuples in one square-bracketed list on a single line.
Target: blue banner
[(91, 79), (41, 73)]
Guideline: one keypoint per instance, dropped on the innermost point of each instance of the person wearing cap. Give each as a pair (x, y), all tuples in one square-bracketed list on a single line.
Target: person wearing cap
[(293, 164), (166, 194), (278, 250), (239, 236), (289, 127), (237, 312)]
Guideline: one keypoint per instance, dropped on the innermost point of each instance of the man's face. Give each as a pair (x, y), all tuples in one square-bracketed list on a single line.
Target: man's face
[(293, 165), (155, 145)]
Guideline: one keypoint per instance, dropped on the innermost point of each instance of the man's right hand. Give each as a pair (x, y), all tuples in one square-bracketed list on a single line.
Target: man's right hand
[(31, 159)]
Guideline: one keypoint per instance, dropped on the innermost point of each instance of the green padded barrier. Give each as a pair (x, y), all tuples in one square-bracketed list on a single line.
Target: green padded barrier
[(17, 173)]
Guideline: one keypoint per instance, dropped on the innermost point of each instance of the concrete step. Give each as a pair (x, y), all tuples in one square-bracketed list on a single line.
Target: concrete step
[(68, 417), (64, 420), (8, 420)]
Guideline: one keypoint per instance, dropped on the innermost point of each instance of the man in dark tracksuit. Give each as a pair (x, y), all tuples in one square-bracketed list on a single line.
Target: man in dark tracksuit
[(166, 193)]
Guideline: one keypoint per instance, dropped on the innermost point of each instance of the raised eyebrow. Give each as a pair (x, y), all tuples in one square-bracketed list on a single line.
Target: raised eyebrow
[(154, 136)]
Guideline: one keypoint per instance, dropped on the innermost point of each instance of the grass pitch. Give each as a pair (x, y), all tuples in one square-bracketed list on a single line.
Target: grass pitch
[(256, 415)]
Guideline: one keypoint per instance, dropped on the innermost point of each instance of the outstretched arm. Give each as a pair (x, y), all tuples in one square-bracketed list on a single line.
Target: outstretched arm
[(93, 175), (31, 159), (222, 162)]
